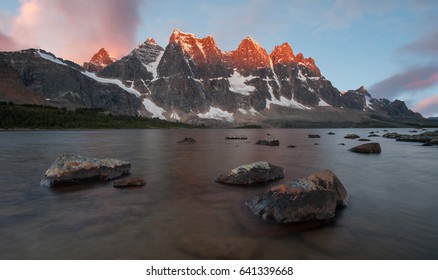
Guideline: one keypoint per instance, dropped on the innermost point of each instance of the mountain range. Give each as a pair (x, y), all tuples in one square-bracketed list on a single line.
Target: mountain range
[(191, 80)]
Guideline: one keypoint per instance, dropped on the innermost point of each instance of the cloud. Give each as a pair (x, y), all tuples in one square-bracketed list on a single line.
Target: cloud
[(7, 43), (412, 79), (75, 30), (426, 45), (428, 106)]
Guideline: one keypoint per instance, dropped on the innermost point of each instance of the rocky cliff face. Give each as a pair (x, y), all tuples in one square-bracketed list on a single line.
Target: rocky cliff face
[(192, 80), (62, 84)]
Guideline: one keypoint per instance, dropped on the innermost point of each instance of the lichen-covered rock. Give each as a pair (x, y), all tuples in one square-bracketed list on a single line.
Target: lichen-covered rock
[(129, 182), (369, 148), (314, 198), (256, 172), (69, 169)]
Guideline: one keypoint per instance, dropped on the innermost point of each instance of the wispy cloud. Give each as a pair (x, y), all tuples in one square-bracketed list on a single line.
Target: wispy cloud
[(76, 29), (426, 45), (7, 43), (428, 106), (411, 79)]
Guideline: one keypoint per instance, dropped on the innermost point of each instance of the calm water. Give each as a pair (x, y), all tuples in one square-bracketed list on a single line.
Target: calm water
[(183, 214)]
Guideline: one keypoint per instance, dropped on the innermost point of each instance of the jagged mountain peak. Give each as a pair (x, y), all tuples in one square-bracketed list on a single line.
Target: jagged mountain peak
[(201, 50), (99, 60), (151, 41), (282, 54), (249, 55)]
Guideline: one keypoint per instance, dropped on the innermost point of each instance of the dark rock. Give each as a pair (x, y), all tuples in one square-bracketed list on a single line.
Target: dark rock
[(292, 146), (331, 133), (373, 135), (256, 172), (236, 137), (129, 182), (351, 136), (313, 198), (342, 144), (369, 148), (187, 140), (391, 135), (315, 144), (427, 144), (414, 138), (364, 139), (76, 168), (314, 136), (413, 131), (269, 141)]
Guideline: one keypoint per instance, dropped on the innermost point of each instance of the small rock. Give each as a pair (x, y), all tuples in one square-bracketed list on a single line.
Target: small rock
[(373, 135), (314, 136), (364, 139), (342, 144), (187, 140), (236, 137), (129, 182), (331, 133), (351, 136), (252, 173), (291, 146), (369, 148), (269, 141), (391, 135)]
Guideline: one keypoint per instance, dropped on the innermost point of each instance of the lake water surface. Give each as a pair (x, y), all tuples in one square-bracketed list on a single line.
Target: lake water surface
[(183, 214)]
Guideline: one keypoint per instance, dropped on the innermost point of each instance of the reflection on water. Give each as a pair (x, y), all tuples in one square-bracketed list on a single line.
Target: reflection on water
[(183, 214)]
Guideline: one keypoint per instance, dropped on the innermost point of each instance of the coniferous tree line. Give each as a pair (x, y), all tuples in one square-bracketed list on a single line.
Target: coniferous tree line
[(13, 116)]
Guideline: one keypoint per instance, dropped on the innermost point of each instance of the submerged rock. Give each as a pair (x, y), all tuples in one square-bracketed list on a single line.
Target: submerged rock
[(351, 136), (291, 146), (414, 138), (256, 172), (269, 141), (314, 136), (187, 140), (369, 148), (363, 139), (69, 169), (236, 137), (129, 182), (391, 135), (314, 198)]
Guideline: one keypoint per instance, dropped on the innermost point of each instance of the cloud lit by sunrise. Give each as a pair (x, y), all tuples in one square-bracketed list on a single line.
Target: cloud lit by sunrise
[(77, 29)]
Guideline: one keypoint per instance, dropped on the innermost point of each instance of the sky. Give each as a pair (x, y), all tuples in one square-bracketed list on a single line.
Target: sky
[(389, 46)]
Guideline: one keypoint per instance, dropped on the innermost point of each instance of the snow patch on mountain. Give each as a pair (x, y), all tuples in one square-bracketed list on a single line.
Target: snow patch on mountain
[(322, 103), (153, 66), (290, 103), (156, 111), (237, 83), (50, 58), (217, 114), (112, 81), (368, 102)]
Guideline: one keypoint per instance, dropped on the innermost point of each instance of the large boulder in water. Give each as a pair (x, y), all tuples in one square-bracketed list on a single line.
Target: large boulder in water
[(314, 198), (256, 172), (76, 168), (369, 148)]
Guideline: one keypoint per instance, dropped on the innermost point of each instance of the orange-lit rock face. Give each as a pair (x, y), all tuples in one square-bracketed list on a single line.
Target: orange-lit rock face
[(102, 57), (249, 55), (202, 51), (282, 54), (308, 62)]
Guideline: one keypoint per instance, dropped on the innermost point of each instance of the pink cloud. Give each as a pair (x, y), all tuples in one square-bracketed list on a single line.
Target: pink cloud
[(428, 106), (75, 30)]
